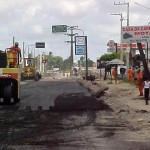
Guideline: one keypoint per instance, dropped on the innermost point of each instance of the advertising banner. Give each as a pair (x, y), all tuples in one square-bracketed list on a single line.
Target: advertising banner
[(135, 34)]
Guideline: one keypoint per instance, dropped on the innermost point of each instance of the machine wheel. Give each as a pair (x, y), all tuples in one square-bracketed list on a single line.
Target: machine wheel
[(36, 78), (22, 77), (7, 94), (16, 100)]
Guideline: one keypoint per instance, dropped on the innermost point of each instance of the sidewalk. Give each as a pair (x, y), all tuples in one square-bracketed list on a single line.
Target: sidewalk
[(128, 94), (126, 105), (120, 94)]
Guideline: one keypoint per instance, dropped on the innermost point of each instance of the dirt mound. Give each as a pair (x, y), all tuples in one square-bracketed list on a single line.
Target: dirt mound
[(78, 101)]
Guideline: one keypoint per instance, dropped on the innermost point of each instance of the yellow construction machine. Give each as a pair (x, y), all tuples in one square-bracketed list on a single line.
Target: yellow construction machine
[(29, 70), (10, 77)]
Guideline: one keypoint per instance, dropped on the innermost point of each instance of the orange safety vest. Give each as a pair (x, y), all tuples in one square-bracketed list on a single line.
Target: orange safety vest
[(114, 73), (15, 51), (130, 72), (139, 76), (140, 82)]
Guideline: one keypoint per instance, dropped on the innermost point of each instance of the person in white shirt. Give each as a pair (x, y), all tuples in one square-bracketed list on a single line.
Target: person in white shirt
[(146, 90)]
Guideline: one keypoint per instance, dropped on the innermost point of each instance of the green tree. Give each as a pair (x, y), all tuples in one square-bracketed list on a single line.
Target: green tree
[(66, 64), (108, 57), (57, 62), (53, 61), (90, 63), (50, 53), (81, 62)]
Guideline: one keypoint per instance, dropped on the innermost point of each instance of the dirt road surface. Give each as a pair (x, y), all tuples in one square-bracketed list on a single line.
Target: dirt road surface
[(121, 123)]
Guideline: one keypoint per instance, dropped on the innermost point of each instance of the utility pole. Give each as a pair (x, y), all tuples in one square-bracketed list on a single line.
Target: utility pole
[(128, 46), (23, 54), (72, 28), (13, 40), (121, 50), (127, 10)]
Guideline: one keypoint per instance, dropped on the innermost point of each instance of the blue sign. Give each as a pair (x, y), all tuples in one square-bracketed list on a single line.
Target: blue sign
[(80, 50), (80, 45)]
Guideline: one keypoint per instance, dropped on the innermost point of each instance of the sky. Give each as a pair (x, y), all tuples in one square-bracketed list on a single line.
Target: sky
[(31, 21)]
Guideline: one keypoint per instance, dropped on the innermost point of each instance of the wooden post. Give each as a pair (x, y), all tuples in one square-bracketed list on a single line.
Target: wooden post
[(116, 67), (146, 70)]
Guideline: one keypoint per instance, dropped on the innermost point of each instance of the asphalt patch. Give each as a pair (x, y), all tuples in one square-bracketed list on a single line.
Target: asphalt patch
[(78, 101)]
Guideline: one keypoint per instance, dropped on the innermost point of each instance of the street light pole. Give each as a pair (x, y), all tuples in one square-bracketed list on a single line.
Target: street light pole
[(128, 47), (121, 50), (72, 28)]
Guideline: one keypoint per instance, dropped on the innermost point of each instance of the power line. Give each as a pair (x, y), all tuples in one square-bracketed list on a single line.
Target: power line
[(142, 5), (147, 20)]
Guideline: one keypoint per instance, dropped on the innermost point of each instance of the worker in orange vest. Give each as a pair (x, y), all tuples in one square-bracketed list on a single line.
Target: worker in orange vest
[(130, 75), (114, 73), (16, 51), (140, 81)]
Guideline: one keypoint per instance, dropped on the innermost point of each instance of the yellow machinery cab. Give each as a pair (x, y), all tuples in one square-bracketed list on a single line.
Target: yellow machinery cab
[(29, 70), (10, 76)]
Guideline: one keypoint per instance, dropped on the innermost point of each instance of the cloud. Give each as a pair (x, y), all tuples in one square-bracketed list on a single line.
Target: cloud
[(31, 21)]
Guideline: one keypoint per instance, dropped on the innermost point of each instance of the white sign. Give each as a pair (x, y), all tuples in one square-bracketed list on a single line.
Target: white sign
[(80, 40), (135, 34), (111, 43), (111, 49), (111, 46)]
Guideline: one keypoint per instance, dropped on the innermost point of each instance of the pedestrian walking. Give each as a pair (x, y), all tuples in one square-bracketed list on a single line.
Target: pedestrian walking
[(146, 90)]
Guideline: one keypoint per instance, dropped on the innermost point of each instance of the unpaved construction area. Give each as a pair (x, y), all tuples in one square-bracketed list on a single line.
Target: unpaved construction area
[(101, 124), (82, 130)]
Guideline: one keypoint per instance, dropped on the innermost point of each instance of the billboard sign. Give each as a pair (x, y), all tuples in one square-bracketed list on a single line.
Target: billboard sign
[(135, 34), (101, 64)]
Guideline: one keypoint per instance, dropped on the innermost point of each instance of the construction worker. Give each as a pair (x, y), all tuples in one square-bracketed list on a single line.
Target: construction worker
[(114, 73), (130, 75), (16, 51), (135, 75), (140, 81)]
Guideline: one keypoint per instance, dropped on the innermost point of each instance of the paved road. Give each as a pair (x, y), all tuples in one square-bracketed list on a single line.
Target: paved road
[(44, 92)]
